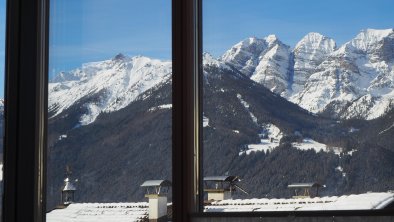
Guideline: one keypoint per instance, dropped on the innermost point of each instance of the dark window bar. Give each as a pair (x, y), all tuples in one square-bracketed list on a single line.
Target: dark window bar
[(26, 110), (186, 110)]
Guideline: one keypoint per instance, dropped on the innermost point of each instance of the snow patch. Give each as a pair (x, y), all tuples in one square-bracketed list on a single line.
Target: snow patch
[(269, 139), (205, 121), (64, 136), (246, 105), (164, 106), (310, 144)]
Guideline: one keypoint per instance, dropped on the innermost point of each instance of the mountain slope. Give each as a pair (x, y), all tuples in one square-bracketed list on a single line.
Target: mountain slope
[(120, 149), (119, 81)]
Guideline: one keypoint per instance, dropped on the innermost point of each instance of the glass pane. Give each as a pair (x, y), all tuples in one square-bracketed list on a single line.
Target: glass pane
[(109, 105), (2, 77), (298, 99)]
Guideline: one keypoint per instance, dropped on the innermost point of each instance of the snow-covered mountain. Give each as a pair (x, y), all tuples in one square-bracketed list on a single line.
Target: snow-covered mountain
[(310, 52), (266, 61), (354, 80), (114, 83)]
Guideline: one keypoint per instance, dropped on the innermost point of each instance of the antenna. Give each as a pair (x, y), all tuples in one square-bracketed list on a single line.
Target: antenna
[(240, 188), (68, 171), (235, 186)]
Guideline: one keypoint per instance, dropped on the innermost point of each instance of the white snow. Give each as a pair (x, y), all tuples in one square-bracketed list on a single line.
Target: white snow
[(208, 60), (368, 38), (245, 55), (113, 83), (310, 52), (356, 73), (269, 141), (64, 136), (355, 80), (273, 66), (246, 105), (205, 121), (352, 130), (366, 201), (100, 212), (351, 152), (164, 106), (309, 144), (236, 131), (339, 168)]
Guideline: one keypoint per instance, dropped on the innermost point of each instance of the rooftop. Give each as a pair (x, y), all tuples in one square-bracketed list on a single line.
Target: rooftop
[(122, 212), (100, 212), (366, 201)]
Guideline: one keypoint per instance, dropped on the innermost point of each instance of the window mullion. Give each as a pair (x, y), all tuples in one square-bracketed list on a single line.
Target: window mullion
[(25, 111)]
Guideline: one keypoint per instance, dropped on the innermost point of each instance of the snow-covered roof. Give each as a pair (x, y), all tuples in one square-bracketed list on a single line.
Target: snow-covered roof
[(122, 212), (304, 185), (221, 178), (100, 212), (366, 201), (156, 183)]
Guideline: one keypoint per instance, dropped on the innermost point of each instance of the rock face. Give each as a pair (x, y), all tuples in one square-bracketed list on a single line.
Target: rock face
[(352, 81), (118, 82), (309, 53), (245, 55), (355, 81), (266, 61)]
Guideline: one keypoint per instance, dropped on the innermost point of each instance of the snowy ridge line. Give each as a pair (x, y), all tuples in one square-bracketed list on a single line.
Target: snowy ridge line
[(319, 76), (385, 130)]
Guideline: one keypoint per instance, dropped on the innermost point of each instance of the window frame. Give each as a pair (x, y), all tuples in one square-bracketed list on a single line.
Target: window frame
[(25, 110), (26, 120)]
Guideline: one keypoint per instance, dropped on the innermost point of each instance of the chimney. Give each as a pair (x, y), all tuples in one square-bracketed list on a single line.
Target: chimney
[(156, 192), (221, 187), (68, 192), (68, 189)]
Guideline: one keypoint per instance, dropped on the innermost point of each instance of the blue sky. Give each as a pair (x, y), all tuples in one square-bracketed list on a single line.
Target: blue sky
[(226, 22), (93, 30)]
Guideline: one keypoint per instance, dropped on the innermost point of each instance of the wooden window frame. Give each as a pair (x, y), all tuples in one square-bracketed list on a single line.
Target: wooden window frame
[(26, 120)]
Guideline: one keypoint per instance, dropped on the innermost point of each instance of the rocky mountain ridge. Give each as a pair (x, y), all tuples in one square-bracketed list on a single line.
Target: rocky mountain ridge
[(352, 81)]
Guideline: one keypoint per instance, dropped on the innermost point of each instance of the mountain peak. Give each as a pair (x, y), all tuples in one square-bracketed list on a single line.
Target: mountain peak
[(244, 54), (248, 42), (208, 59), (315, 41), (120, 56), (271, 37), (381, 33), (368, 38)]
